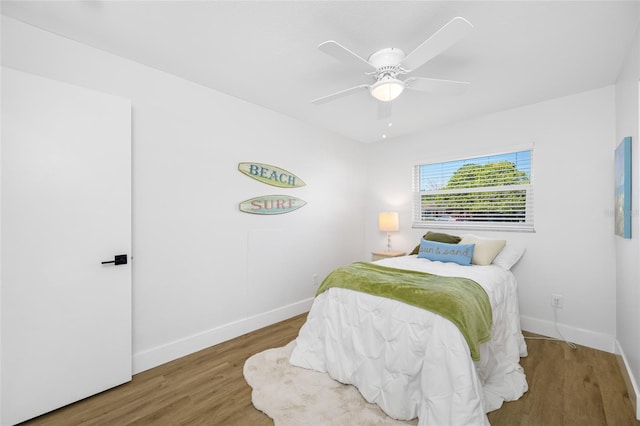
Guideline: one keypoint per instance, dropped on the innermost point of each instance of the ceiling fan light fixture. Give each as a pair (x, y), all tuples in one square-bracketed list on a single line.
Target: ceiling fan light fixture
[(387, 89)]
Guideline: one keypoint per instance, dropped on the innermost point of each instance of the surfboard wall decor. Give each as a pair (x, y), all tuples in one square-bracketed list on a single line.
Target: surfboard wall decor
[(271, 204), (271, 175)]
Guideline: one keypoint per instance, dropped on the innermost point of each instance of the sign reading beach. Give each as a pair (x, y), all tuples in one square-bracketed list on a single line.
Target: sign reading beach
[(271, 175)]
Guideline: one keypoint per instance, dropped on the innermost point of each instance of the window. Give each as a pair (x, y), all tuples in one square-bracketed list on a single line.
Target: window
[(491, 192)]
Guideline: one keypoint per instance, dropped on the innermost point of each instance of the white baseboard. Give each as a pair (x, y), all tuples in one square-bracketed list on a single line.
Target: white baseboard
[(629, 380), (580, 336), (161, 354)]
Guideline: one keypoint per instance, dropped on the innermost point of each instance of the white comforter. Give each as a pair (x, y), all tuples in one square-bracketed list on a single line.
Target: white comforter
[(412, 362)]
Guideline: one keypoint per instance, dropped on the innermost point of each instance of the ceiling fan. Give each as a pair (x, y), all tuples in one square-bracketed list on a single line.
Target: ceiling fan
[(387, 65)]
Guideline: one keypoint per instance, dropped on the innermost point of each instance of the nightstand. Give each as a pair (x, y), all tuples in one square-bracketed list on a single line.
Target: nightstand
[(377, 255)]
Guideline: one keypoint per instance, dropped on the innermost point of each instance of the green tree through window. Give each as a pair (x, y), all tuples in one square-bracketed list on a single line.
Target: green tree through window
[(495, 189)]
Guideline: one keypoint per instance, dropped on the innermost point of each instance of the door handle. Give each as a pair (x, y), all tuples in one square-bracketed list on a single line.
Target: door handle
[(119, 259)]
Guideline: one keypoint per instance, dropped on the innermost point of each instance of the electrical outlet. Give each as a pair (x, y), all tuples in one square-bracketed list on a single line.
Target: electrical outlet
[(556, 300), (315, 280)]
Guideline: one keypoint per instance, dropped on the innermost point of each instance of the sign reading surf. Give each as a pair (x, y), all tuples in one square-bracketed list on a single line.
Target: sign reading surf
[(271, 204), (271, 175)]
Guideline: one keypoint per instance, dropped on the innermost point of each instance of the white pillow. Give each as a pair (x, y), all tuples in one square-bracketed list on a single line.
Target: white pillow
[(486, 249), (509, 256)]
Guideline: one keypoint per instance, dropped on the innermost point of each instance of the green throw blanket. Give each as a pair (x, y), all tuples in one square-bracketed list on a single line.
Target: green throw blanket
[(462, 301)]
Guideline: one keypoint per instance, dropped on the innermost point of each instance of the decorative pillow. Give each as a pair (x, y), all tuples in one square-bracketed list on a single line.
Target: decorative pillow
[(439, 237), (486, 248), (457, 253), (509, 256)]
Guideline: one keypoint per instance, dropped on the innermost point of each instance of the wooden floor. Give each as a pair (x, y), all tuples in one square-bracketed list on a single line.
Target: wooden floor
[(566, 387)]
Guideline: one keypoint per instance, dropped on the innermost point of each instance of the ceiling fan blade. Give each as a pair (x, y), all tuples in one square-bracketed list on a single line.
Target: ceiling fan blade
[(384, 110), (340, 94), (434, 85), (343, 54), (444, 38)]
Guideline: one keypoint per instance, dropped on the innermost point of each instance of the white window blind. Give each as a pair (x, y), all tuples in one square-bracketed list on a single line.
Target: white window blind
[(490, 192)]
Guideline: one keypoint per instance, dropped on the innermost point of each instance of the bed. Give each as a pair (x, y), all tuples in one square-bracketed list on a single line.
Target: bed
[(415, 363)]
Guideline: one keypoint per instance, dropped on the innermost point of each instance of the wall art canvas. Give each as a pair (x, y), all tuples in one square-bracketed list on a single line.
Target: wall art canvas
[(622, 206)]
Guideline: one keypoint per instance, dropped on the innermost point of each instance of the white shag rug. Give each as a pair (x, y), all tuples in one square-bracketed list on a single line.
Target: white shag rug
[(294, 396)]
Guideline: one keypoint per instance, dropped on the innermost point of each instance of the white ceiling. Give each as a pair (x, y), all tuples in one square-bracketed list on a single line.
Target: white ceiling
[(519, 52)]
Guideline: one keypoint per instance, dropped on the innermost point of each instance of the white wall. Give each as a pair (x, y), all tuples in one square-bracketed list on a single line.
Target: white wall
[(572, 250), (628, 250), (203, 271)]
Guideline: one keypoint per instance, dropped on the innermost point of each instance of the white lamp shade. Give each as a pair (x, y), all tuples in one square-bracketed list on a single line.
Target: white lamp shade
[(387, 89), (388, 221)]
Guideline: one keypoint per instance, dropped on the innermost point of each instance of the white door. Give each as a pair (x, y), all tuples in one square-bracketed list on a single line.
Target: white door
[(66, 207)]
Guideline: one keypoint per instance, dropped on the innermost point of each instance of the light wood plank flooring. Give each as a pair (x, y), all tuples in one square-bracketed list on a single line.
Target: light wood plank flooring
[(566, 387)]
